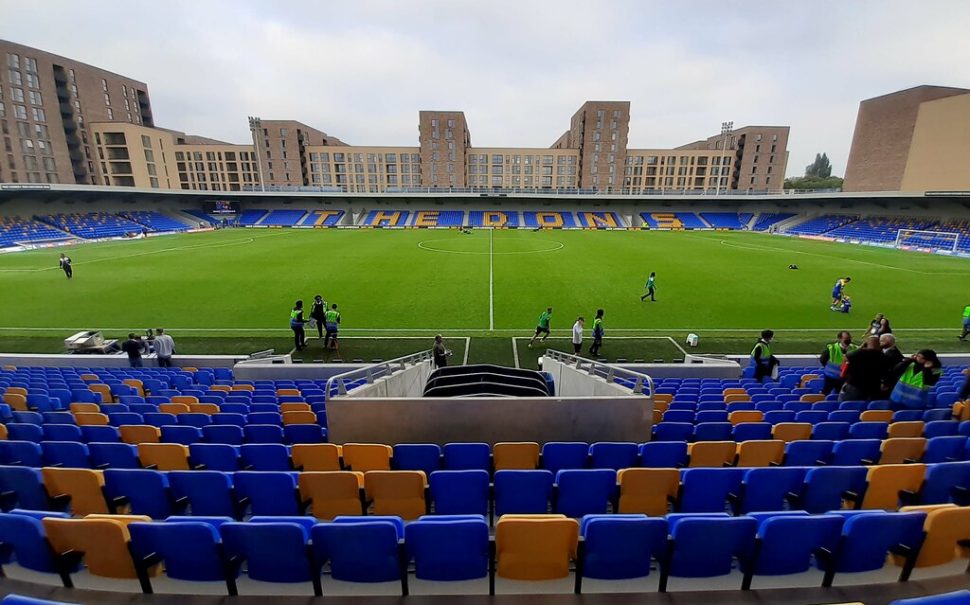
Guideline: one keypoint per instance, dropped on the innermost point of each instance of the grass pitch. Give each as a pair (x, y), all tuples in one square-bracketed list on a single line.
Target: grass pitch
[(231, 291)]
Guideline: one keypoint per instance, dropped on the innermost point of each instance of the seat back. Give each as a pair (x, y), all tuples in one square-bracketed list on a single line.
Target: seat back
[(359, 551), (706, 490), (613, 455), (332, 493), (619, 547), (214, 456), (397, 493), (460, 492), (868, 537), (164, 456), (463, 456), (448, 549), (899, 450), (766, 489), (906, 429), (84, 486), (269, 493), (417, 457), (535, 547), (515, 455), (942, 479), (585, 491), (792, 431), (825, 485), (523, 492), (365, 457), (761, 453), (274, 552), (558, 455), (104, 543), (203, 562), (265, 457), (714, 454), (316, 456), (140, 433), (884, 483), (24, 536), (26, 487), (787, 543), (647, 490), (706, 546), (146, 491), (945, 529), (856, 452), (209, 493), (663, 454)]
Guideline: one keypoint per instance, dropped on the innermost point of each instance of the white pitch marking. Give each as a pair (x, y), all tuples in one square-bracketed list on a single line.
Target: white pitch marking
[(424, 246), (468, 345), (631, 332), (491, 281), (515, 351)]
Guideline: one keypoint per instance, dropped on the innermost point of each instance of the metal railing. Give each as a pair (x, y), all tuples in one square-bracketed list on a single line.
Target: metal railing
[(373, 372), (642, 383), (504, 191)]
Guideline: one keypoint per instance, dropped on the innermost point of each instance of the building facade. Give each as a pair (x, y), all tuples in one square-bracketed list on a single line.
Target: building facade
[(916, 139)]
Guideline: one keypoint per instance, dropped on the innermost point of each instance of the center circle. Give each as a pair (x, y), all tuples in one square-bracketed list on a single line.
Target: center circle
[(440, 245)]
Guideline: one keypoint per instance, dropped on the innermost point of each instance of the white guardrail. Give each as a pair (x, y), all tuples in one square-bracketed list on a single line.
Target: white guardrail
[(641, 383), (373, 372)]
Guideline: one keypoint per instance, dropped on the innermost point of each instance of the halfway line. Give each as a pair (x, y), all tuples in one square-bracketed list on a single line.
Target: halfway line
[(491, 282)]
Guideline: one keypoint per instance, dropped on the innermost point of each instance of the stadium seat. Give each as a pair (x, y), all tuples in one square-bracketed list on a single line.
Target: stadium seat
[(265, 457), (446, 549), (227, 434), (365, 457), (185, 435), (958, 597), (706, 490), (792, 431), (165, 543), (145, 492), (137, 434), (707, 546), (207, 493), (940, 428), (102, 543), (397, 493), (768, 489), (330, 494), (900, 450), (824, 487), (269, 493), (82, 489), (760, 453), (831, 431), (618, 547), (460, 492), (884, 484), (786, 544), (558, 455), (752, 431), (23, 536), (62, 432), (663, 454), (869, 430), (869, 537), (316, 457), (113, 455), (263, 433), (538, 547), (672, 431), (711, 453), (21, 431), (855, 452), (272, 552), (361, 550), (214, 457), (648, 491), (947, 530), (164, 456), (515, 455), (523, 492), (417, 457), (711, 431), (947, 448), (69, 454)]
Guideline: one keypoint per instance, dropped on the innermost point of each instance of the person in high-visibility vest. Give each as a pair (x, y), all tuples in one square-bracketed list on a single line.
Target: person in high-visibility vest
[(332, 323), (917, 376), (831, 360), (594, 349), (761, 358), (296, 324), (966, 323)]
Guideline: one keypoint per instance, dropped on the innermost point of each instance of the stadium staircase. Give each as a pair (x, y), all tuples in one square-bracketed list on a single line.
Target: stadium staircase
[(198, 215), (487, 380)]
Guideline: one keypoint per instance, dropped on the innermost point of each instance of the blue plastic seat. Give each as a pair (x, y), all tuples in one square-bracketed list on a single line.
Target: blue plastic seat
[(273, 552), (811, 416), (205, 561), (113, 455), (195, 419), (263, 433), (23, 534), (706, 546), (945, 482), (779, 416), (706, 490), (856, 452), (940, 428), (808, 453), (225, 434), (159, 419), (68, 454), (23, 487), (831, 431), (869, 430), (466, 456), (62, 432), (856, 406), (767, 489), (58, 418), (101, 434), (361, 550), (937, 414), (460, 492), (711, 416), (22, 431), (417, 457), (612, 455), (712, 431), (663, 454), (523, 491), (958, 597), (274, 418), (824, 486), (304, 433), (209, 493), (672, 431), (947, 448), (265, 457), (850, 416), (186, 435), (448, 548), (907, 415), (120, 418), (679, 415), (869, 536), (146, 491), (228, 417), (21, 453), (215, 456), (751, 431), (585, 491), (617, 547), (269, 493), (786, 544)]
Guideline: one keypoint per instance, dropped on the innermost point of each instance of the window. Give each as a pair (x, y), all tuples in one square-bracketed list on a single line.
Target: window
[(111, 114), (17, 94), (27, 145), (451, 123), (104, 85), (107, 99), (33, 81), (30, 65), (20, 112), (149, 156), (41, 131), (13, 60), (15, 79)]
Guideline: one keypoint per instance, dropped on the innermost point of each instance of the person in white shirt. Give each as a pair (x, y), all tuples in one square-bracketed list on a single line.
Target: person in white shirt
[(578, 335), (164, 348)]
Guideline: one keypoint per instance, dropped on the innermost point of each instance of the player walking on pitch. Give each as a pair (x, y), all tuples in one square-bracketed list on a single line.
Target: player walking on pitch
[(651, 287), (543, 326), (65, 263)]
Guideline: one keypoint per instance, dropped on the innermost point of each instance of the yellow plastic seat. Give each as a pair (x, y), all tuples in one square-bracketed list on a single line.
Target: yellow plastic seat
[(946, 526), (901, 450), (398, 493), (647, 490), (811, 398), (174, 408), (735, 398), (242, 387), (140, 433), (135, 384), (909, 428), (299, 417), (16, 391), (288, 393), (792, 431), (807, 378), (186, 399), (734, 391), (768, 452), (658, 416), (294, 407), (85, 408), (164, 456), (104, 390), (519, 455), (535, 547), (102, 542), (711, 453), (739, 416), (332, 493), (876, 416), (84, 487), (89, 377), (3, 432), (365, 457), (316, 456), (204, 408), (222, 388), (91, 418), (665, 398), (16, 401), (884, 482)]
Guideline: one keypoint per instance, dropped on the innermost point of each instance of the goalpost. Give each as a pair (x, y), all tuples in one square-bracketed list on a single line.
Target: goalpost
[(937, 240)]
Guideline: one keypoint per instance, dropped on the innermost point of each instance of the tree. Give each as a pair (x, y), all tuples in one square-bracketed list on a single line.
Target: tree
[(814, 182), (820, 168)]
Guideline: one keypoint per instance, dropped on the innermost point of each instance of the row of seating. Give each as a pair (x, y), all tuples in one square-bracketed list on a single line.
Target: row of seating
[(794, 430), (847, 409), (458, 548), (409, 494)]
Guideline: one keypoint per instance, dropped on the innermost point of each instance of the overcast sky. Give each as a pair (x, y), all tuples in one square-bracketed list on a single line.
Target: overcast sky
[(361, 69)]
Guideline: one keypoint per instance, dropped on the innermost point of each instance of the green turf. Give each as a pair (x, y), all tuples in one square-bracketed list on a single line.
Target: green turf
[(231, 291)]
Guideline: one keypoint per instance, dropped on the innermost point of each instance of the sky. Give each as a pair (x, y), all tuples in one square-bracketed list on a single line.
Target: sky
[(361, 70)]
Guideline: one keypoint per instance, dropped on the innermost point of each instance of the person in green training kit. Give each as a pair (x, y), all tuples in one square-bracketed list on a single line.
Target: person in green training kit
[(651, 287), (543, 326), (966, 323), (332, 324)]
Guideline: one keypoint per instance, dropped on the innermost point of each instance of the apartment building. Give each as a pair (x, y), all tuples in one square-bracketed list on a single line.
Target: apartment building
[(47, 103), (916, 139), (282, 150)]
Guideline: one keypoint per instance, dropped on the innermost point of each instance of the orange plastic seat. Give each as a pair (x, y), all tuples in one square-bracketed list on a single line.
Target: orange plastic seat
[(811, 398), (300, 417), (535, 547), (792, 431), (768, 452), (910, 428), (104, 390), (102, 542), (876, 416), (901, 450), (16, 401), (84, 408), (3, 432), (91, 418), (203, 408), (647, 490), (222, 388), (711, 453), (190, 369), (658, 416), (662, 398), (89, 377), (135, 384), (242, 387), (521, 455), (16, 391), (884, 482), (398, 493), (734, 391), (174, 408), (316, 456), (332, 493), (661, 406), (739, 416), (807, 378), (365, 457), (186, 399), (736, 398), (294, 407), (164, 456), (288, 393), (947, 528), (83, 487), (140, 433)]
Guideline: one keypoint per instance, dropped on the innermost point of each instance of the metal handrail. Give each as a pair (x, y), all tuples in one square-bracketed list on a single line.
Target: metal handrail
[(374, 371), (605, 371)]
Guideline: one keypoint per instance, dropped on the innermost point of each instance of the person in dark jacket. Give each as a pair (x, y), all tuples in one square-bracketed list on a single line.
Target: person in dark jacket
[(318, 313), (892, 357), (863, 372), (134, 347), (761, 358), (916, 377), (439, 352)]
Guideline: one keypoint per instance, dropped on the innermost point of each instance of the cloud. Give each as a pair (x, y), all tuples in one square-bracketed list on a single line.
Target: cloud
[(362, 70)]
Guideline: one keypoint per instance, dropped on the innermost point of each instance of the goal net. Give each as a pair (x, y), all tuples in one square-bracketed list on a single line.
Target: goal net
[(935, 240)]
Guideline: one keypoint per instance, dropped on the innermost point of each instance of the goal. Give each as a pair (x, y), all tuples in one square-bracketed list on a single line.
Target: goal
[(936, 240)]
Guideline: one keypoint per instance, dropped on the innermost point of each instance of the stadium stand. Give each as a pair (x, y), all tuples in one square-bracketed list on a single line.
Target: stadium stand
[(15, 230), (251, 216), (283, 218), (323, 218), (202, 216), (92, 225), (766, 220), (820, 225), (884, 230), (438, 218), (154, 221), (724, 220)]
